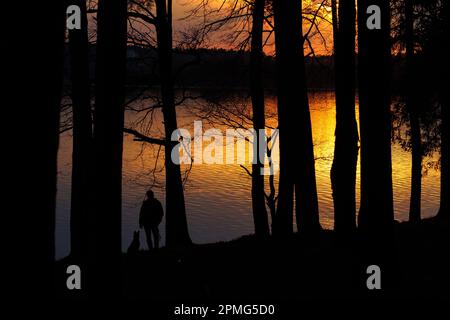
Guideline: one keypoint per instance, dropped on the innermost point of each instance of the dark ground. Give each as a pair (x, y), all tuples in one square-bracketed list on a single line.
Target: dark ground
[(267, 271)]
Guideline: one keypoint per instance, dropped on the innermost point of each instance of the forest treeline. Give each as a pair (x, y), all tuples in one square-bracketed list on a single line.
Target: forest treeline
[(207, 68), (416, 28), (223, 68)]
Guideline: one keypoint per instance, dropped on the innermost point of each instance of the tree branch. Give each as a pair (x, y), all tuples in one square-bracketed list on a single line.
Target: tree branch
[(140, 137)]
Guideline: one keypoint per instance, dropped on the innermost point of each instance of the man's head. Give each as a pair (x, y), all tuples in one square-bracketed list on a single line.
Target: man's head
[(150, 194)]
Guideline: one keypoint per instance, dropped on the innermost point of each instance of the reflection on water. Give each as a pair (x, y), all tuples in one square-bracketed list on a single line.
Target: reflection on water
[(218, 196)]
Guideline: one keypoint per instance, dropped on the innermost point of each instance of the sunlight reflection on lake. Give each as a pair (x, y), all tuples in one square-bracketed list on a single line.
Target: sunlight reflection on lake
[(218, 196)]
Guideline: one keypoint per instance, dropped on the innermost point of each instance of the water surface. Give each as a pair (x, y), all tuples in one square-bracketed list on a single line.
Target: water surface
[(217, 196)]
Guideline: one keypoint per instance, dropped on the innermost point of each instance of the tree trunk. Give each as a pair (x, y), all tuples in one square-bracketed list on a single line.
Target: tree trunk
[(33, 95), (444, 210), (343, 170), (376, 214), (176, 222), (412, 107), (416, 168), (271, 199), (443, 92), (260, 218), (296, 172), (82, 137), (108, 140)]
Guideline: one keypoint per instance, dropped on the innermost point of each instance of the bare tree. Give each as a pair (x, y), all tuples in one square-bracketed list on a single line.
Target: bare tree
[(297, 173), (257, 94), (176, 222), (82, 157), (37, 104), (235, 113), (343, 170), (235, 21), (443, 32), (108, 140), (413, 111), (376, 215), (417, 29)]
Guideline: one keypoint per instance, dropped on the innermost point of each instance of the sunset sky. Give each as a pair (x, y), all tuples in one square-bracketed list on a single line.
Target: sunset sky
[(322, 46), (184, 20)]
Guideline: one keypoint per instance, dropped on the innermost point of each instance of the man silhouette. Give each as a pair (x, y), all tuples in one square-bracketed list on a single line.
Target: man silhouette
[(150, 217)]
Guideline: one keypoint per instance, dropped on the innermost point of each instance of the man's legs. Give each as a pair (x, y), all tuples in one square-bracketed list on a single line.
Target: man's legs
[(156, 236), (148, 235)]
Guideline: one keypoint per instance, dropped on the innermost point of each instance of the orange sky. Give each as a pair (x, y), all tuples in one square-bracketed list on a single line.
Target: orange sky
[(182, 8)]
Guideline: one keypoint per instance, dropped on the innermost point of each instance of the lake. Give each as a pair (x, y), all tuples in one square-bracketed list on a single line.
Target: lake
[(217, 196)]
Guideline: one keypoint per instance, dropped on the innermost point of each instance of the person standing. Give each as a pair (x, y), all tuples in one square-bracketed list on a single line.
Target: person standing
[(150, 217)]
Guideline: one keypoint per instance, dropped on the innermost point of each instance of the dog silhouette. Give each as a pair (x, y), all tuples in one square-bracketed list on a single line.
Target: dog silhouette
[(135, 243)]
